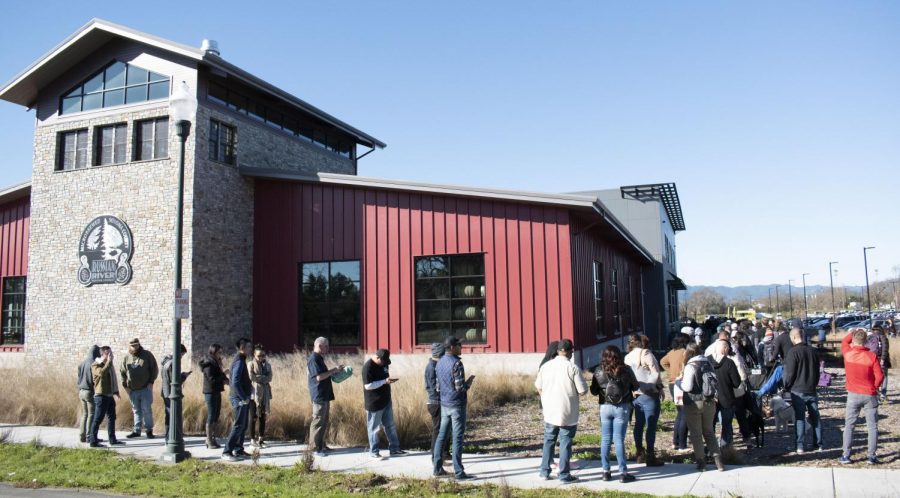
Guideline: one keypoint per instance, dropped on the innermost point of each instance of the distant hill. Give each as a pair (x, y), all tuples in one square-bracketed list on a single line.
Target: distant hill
[(759, 292)]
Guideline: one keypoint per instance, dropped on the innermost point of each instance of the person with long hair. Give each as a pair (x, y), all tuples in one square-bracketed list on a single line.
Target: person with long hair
[(647, 403), (551, 353), (673, 363), (699, 410), (614, 382), (214, 380)]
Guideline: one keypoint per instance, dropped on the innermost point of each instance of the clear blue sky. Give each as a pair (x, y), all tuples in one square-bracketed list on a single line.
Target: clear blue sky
[(779, 121)]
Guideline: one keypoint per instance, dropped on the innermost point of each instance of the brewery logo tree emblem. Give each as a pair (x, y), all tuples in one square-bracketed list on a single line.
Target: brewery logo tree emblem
[(104, 252)]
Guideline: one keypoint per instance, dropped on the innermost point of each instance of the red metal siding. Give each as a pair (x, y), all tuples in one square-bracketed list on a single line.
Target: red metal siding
[(15, 217), (527, 260), (592, 241)]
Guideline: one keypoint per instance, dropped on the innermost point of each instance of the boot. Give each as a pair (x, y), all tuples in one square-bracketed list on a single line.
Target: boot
[(719, 463), (211, 442), (652, 461), (640, 456)]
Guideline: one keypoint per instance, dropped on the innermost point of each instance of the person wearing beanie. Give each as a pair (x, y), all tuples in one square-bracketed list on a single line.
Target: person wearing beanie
[(139, 371), (434, 398)]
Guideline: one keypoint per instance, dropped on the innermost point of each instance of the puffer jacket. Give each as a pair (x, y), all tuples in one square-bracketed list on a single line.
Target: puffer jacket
[(213, 377)]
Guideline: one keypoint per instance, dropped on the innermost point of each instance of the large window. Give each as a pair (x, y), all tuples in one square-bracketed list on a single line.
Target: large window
[(614, 283), (600, 326), (110, 148), (13, 319), (450, 298), (221, 142), (116, 84), (72, 150), (329, 302), (151, 139)]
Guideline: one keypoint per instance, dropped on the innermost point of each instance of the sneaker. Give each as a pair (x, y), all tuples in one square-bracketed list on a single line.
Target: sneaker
[(150, 435), (398, 452), (254, 443), (440, 473), (844, 460), (545, 477), (240, 453), (82, 439), (116, 442), (320, 454), (95, 444), (261, 444), (607, 476), (464, 477), (626, 477), (133, 434), (228, 457), (820, 448), (872, 461), (568, 479), (376, 456), (800, 451)]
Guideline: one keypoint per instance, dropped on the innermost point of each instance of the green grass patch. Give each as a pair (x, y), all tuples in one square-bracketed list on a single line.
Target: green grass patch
[(586, 439), (33, 466)]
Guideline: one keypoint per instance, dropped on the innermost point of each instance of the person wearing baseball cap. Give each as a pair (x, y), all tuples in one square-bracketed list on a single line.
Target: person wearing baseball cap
[(454, 388), (379, 410)]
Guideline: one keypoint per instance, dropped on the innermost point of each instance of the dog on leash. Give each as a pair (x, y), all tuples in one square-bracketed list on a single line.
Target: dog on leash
[(757, 428), (782, 411)]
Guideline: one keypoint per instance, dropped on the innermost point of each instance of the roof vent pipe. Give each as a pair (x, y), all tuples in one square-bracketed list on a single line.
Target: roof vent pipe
[(210, 47)]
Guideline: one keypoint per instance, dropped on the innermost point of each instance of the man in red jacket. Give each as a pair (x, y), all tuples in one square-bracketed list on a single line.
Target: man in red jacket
[(864, 376)]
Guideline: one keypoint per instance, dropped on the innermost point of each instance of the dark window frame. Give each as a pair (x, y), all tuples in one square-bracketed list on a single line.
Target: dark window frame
[(119, 130), (62, 151), (617, 316), (599, 319), (137, 149), (452, 321), (304, 338), (16, 314), (153, 80), (222, 142)]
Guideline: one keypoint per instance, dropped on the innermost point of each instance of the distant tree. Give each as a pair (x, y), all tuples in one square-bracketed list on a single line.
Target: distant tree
[(704, 301)]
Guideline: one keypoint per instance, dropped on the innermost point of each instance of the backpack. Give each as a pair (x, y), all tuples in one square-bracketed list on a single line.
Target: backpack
[(873, 344), (614, 391), (769, 354), (709, 383)]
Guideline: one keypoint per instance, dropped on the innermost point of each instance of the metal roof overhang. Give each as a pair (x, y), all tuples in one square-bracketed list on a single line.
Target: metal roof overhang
[(676, 281), (14, 192), (665, 193), (580, 202)]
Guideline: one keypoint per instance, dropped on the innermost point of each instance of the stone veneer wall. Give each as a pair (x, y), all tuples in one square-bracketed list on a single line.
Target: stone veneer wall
[(221, 296), (64, 317)]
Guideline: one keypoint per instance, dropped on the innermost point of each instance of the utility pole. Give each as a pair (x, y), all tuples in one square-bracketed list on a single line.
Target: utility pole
[(777, 304), (805, 302), (868, 295), (833, 307), (790, 299)]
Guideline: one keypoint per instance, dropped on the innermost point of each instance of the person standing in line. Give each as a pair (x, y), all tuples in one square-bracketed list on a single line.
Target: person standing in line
[(214, 380), (728, 380), (801, 377), (240, 388), (614, 382), (260, 396), (560, 384), (882, 350), (322, 393), (673, 364), (86, 392), (700, 384), (166, 376), (783, 345), (106, 391), (454, 389), (434, 399), (379, 409), (139, 371), (647, 402), (864, 376)]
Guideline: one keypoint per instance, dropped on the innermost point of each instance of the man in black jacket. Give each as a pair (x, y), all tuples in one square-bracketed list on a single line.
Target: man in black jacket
[(240, 401), (729, 380), (801, 377), (783, 344)]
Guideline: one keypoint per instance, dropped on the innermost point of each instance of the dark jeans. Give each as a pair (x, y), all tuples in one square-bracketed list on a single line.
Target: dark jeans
[(565, 435), (456, 417), (806, 403), (646, 413), (166, 407), (213, 407), (725, 416), (435, 411), (236, 437), (741, 407), (680, 434), (104, 406), (257, 415)]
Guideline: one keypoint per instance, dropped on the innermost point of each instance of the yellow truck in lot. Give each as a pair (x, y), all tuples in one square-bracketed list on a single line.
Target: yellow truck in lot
[(744, 314)]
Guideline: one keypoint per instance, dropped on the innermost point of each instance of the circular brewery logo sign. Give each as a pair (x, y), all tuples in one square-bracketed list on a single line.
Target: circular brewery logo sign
[(104, 252)]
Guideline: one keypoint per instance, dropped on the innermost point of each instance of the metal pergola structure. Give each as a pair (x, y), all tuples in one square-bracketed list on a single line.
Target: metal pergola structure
[(665, 193)]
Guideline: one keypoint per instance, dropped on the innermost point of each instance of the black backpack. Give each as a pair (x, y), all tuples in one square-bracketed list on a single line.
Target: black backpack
[(615, 390), (708, 387)]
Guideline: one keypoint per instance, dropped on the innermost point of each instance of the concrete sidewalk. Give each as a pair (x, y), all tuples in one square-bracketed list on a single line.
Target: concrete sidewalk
[(678, 480)]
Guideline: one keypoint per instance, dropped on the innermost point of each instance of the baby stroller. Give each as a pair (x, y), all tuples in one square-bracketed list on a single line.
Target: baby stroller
[(762, 386)]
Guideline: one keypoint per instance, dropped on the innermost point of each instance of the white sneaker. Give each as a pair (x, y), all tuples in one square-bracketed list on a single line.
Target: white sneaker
[(376, 456), (228, 457)]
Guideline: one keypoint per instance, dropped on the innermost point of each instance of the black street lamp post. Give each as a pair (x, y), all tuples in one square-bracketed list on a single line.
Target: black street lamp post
[(790, 299), (833, 306), (805, 302), (868, 295)]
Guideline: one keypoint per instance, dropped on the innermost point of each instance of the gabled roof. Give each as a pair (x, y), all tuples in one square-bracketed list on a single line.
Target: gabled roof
[(15, 191), (23, 88), (571, 201)]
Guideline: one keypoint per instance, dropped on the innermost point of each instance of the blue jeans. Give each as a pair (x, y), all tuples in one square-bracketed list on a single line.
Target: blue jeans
[(142, 408), (382, 418), (803, 403), (613, 423), (456, 416), (104, 406), (646, 413), (236, 437), (726, 418), (213, 407), (565, 434)]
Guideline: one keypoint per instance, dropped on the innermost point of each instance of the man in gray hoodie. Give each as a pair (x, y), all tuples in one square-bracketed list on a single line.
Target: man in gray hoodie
[(86, 392)]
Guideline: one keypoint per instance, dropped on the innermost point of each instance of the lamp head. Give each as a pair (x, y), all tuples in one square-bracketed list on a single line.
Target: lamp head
[(182, 103)]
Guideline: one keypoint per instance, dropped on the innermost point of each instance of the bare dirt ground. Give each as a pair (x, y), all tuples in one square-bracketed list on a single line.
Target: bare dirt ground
[(517, 429)]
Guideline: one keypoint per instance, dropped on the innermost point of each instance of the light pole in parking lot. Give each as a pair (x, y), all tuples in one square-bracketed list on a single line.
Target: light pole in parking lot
[(833, 307), (790, 299), (777, 304), (868, 295), (770, 299), (805, 302)]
